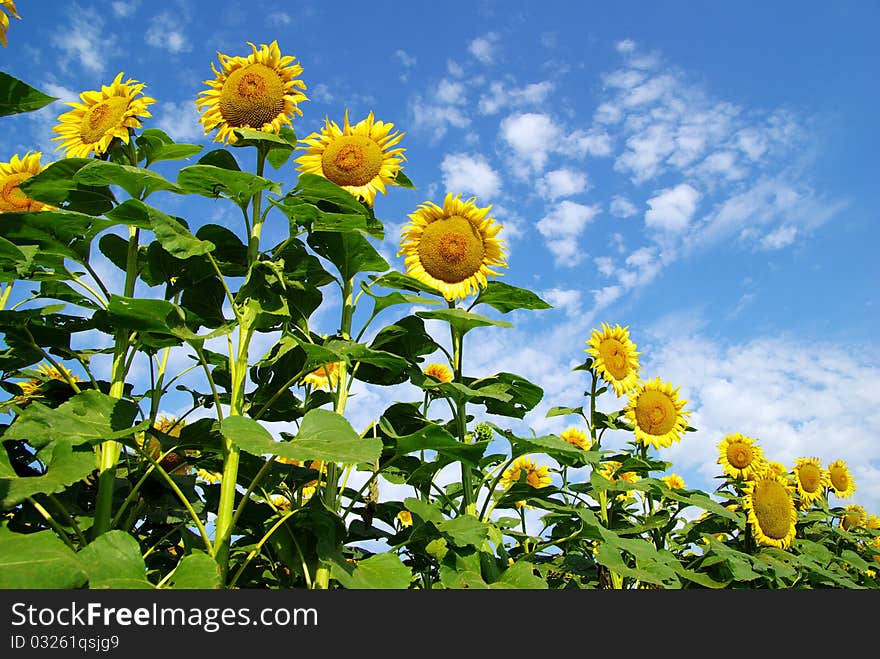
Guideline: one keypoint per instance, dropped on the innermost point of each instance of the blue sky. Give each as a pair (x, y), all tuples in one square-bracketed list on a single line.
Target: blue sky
[(704, 173)]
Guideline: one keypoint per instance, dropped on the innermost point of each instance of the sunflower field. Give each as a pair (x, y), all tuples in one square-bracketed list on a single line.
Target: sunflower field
[(265, 483)]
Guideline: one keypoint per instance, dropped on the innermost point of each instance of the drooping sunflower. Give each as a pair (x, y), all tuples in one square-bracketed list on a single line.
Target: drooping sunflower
[(363, 158), (405, 518), (12, 173), (525, 468), (261, 91), (174, 461), (576, 437), (323, 377), (32, 388), (439, 372), (769, 505), (811, 479), (614, 357), (452, 248), (657, 413), (6, 6), (102, 116), (853, 515), (740, 456), (840, 479), (674, 482)]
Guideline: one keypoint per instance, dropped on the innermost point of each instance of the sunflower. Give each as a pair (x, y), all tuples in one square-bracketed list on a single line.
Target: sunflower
[(260, 91), (614, 357), (281, 502), (674, 482), (360, 158), (525, 468), (610, 471), (853, 515), (6, 6), (452, 248), (405, 518), (439, 372), (212, 477), (873, 522), (770, 508), (12, 173), (103, 115), (576, 437), (32, 388), (740, 456), (811, 480), (840, 480), (172, 462), (323, 377), (656, 412)]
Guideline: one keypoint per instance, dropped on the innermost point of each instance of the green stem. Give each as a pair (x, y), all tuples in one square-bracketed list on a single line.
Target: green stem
[(4, 295), (60, 532), (467, 502)]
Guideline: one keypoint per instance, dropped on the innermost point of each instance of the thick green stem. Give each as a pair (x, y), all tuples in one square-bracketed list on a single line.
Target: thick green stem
[(108, 452), (238, 367), (467, 500)]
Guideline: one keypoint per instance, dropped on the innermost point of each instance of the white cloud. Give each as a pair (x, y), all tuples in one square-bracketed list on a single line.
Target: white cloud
[(499, 97), (532, 136), (673, 208), (164, 31), (779, 238), (622, 207), (280, 18), (562, 227), (450, 92), (86, 41), (567, 299), (583, 143), (562, 183), (180, 121), (124, 9), (483, 48), (407, 61), (437, 118), (466, 174)]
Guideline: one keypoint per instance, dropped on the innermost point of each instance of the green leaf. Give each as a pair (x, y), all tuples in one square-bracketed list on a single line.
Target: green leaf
[(56, 185), (175, 237), (322, 435), (36, 561), (505, 298), (197, 571), (383, 571), (351, 253), (428, 512), (65, 465), (251, 137), (522, 395), (220, 158), (550, 445), (17, 96), (463, 321), (144, 314), (90, 416), (436, 438), (465, 530), (214, 182), (399, 281), (65, 233), (403, 181), (564, 411), (137, 182), (520, 575), (155, 145), (113, 561)]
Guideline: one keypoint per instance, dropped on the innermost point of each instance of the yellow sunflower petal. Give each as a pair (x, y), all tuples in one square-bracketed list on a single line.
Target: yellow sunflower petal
[(740, 456), (657, 413), (770, 508), (12, 174), (614, 357)]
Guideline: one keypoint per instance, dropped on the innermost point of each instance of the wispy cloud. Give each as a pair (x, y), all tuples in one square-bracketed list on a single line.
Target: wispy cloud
[(470, 174), (484, 48), (85, 41), (165, 31)]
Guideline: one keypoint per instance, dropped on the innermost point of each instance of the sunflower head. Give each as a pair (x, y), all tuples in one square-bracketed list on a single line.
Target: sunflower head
[(840, 479), (740, 456), (770, 508), (853, 515), (452, 248), (32, 388), (105, 114), (405, 518), (439, 372), (12, 173), (576, 437), (614, 357), (363, 158), (323, 377), (657, 413), (524, 468), (674, 482), (811, 479), (261, 91)]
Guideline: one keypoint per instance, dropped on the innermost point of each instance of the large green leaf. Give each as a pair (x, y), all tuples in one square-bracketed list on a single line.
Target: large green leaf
[(465, 530), (113, 561), (65, 465), (35, 561), (195, 571), (212, 181), (506, 298), (351, 253), (90, 416), (155, 145), (17, 96), (65, 233), (463, 321), (401, 282), (137, 182), (323, 435), (383, 571), (56, 185), (520, 575), (171, 233)]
